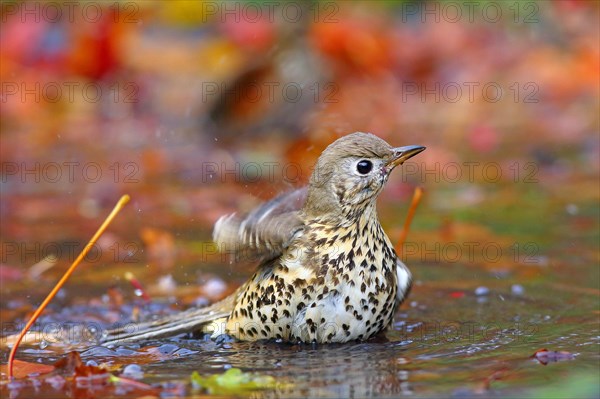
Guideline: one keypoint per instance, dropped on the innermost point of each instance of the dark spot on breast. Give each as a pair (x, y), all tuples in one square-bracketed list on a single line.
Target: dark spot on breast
[(351, 265), (333, 239), (298, 282)]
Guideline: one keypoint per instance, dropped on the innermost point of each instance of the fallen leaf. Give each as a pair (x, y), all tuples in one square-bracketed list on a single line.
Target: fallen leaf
[(544, 356), (232, 381), (23, 369)]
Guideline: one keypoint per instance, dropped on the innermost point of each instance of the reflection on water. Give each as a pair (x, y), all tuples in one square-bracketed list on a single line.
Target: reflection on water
[(466, 346), (464, 330), (354, 370)]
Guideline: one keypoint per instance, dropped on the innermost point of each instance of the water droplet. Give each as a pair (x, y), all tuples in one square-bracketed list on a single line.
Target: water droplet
[(167, 349), (572, 209), (517, 289), (133, 371)]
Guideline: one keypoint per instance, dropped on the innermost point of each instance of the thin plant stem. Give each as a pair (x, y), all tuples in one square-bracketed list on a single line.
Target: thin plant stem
[(122, 201), (409, 217)]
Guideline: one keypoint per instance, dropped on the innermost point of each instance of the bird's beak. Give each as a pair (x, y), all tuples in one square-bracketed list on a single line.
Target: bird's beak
[(401, 154)]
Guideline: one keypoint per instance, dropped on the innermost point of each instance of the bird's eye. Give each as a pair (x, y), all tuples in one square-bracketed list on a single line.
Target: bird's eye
[(363, 167)]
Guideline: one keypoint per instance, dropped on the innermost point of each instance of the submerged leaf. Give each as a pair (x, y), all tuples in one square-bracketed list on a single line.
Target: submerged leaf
[(544, 356), (233, 380), (24, 369)]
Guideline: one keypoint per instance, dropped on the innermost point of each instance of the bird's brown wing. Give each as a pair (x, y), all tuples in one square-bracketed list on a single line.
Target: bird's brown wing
[(265, 232)]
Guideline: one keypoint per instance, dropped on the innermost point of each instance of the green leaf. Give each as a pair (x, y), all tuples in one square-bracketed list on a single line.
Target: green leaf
[(233, 380)]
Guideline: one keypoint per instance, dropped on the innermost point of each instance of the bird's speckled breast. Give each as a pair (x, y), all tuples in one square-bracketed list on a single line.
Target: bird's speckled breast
[(332, 284)]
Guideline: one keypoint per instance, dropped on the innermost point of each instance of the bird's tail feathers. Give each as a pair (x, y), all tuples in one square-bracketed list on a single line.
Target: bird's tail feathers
[(210, 319)]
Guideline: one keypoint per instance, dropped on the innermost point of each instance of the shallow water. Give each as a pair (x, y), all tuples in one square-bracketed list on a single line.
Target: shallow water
[(468, 328)]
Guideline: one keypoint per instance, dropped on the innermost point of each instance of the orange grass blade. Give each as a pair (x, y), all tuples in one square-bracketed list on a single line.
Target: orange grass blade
[(409, 217), (122, 201), (137, 285)]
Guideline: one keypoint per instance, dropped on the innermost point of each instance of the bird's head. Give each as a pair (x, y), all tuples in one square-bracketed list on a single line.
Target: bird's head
[(351, 172)]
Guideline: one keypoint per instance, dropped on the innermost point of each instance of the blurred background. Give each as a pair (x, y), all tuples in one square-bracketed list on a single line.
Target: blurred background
[(179, 102), (200, 108)]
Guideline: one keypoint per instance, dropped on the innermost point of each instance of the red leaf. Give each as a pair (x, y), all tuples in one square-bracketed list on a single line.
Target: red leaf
[(544, 356), (23, 369)]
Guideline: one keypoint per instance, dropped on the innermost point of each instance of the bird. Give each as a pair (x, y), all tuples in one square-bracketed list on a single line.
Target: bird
[(327, 271)]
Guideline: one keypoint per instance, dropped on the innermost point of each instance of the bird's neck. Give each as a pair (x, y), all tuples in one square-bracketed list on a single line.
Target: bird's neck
[(349, 218), (331, 208), (358, 241)]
